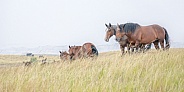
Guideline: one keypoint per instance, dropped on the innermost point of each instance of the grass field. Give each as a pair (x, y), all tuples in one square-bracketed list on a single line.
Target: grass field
[(153, 71)]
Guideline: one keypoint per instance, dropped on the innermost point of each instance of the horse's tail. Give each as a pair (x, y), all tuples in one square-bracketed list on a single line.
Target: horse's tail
[(94, 50), (167, 39)]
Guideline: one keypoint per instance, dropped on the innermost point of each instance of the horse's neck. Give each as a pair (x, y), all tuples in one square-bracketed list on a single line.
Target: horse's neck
[(79, 52), (114, 27), (130, 37)]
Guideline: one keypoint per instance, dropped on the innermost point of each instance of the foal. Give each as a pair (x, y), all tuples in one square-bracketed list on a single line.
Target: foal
[(64, 56)]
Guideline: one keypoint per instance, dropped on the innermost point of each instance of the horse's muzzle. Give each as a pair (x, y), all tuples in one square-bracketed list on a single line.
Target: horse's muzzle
[(107, 40)]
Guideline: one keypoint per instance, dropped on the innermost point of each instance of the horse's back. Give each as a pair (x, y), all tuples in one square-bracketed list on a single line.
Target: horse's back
[(89, 48), (87, 45), (150, 33), (160, 31), (146, 34)]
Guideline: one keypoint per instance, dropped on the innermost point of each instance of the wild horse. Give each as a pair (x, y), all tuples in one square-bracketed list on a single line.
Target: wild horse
[(64, 55), (86, 50), (123, 41), (110, 31), (142, 35)]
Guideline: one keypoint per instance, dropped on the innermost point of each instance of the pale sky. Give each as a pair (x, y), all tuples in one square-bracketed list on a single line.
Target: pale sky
[(31, 23)]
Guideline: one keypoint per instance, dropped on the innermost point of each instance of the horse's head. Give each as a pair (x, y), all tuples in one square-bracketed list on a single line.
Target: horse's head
[(72, 50), (110, 31), (64, 55), (120, 34), (61, 53)]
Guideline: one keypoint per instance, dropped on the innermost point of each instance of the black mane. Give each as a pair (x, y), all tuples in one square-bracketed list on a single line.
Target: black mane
[(130, 27), (121, 26), (114, 28)]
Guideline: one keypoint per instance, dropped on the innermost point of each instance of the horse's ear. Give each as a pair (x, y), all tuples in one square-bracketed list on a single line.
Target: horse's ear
[(118, 25), (69, 46), (110, 25), (124, 26), (106, 25)]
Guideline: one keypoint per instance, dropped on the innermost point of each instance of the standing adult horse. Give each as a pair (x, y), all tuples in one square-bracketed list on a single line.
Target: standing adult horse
[(110, 31), (143, 34), (84, 51), (123, 41)]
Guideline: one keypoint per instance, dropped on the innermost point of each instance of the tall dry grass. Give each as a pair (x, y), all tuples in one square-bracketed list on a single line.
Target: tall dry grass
[(152, 71)]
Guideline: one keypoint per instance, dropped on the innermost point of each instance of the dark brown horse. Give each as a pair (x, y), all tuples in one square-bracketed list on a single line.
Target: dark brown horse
[(64, 56), (123, 41), (110, 31), (143, 34), (86, 50)]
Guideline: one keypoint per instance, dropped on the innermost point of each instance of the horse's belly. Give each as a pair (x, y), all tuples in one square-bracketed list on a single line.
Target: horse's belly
[(123, 43), (148, 39)]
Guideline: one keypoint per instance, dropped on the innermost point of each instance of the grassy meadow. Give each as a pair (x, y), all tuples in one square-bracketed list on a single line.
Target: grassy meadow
[(153, 71)]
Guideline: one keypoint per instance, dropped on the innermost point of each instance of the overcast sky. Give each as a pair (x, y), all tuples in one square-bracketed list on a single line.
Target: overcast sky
[(31, 23)]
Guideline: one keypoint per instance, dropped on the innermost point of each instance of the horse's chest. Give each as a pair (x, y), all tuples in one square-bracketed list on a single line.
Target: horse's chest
[(131, 41)]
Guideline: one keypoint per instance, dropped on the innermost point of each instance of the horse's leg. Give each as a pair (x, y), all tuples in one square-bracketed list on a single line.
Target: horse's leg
[(132, 49), (137, 49), (156, 45), (148, 47), (142, 48), (162, 44), (137, 45), (122, 49), (128, 48)]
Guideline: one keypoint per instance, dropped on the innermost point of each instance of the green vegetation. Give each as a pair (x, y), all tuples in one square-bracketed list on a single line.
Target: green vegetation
[(153, 71)]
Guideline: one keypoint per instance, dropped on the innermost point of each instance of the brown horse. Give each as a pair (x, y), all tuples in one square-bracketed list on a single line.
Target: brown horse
[(110, 31), (123, 41), (74, 52), (143, 34), (86, 50), (64, 56)]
